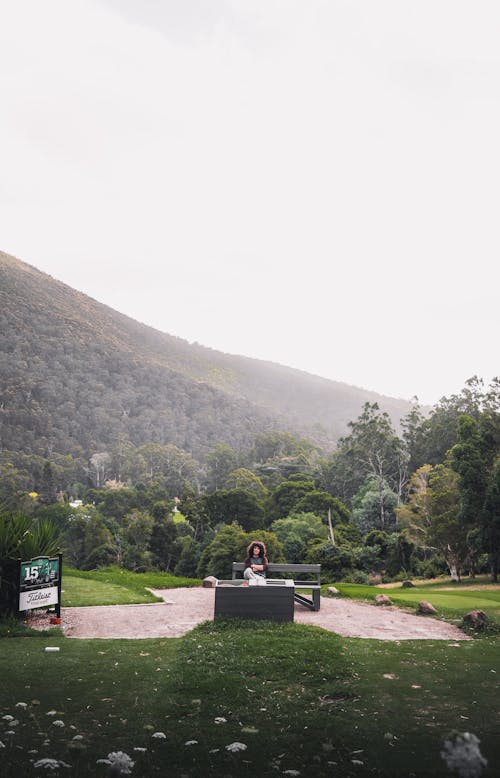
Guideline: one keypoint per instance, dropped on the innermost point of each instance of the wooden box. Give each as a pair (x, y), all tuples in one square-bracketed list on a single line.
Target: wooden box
[(274, 603)]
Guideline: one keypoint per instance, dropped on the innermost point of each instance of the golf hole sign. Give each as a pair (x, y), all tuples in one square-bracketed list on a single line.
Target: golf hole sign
[(40, 583)]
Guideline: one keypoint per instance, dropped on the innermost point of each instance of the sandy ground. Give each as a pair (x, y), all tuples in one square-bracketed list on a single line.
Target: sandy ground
[(183, 609)]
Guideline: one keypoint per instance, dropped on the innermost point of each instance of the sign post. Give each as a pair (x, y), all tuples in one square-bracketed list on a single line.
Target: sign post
[(40, 583)]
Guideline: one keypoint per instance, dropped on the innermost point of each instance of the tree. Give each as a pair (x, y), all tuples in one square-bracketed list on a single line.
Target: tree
[(374, 507), (447, 533), (244, 479), (492, 519), (47, 488), (229, 545), (99, 468), (221, 461), (372, 452), (237, 505), (414, 517), (286, 496), (296, 531), (322, 504), (474, 459)]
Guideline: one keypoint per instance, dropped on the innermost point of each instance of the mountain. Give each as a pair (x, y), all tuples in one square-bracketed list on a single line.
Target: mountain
[(78, 376)]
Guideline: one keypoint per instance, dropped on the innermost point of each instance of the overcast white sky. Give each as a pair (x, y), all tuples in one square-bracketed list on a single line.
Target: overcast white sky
[(313, 182)]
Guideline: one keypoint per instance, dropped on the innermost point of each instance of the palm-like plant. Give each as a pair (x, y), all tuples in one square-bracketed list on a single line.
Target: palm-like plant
[(21, 537)]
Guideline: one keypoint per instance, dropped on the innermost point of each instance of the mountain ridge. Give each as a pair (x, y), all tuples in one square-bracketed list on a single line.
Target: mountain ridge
[(149, 383)]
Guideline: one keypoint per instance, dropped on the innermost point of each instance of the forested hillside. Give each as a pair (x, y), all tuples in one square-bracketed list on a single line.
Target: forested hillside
[(78, 378)]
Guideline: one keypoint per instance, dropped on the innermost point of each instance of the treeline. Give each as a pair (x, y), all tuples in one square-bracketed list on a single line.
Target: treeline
[(382, 505)]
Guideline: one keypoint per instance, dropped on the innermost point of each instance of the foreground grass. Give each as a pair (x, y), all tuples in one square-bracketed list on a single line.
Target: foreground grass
[(115, 586), (451, 601), (299, 698)]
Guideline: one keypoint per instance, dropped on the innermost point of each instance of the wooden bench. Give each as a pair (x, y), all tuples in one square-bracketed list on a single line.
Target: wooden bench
[(314, 571)]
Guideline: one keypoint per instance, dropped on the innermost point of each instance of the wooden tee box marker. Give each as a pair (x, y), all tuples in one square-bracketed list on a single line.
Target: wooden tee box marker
[(269, 602)]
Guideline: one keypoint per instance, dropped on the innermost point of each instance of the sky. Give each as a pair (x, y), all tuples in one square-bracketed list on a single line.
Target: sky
[(310, 182)]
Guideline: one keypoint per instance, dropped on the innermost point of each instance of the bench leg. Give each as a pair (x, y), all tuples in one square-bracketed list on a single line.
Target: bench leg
[(316, 599)]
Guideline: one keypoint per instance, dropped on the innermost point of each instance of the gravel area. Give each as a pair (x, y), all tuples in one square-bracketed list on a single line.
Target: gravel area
[(183, 609)]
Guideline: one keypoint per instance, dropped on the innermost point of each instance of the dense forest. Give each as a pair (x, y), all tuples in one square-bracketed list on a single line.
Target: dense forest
[(132, 448), (78, 378)]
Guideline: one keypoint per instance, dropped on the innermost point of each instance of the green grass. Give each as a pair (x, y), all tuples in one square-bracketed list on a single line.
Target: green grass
[(451, 604), (298, 697), (115, 586)]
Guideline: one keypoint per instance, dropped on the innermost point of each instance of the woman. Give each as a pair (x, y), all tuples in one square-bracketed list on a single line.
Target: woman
[(256, 563)]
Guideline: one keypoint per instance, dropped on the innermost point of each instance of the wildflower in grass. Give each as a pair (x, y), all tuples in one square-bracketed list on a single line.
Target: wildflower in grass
[(8, 717), (58, 723), (191, 743), (119, 763), (233, 747), (51, 713), (2, 745), (141, 750), (462, 755), (50, 764), (159, 735), (220, 720), (21, 704), (78, 737), (291, 772), (14, 723)]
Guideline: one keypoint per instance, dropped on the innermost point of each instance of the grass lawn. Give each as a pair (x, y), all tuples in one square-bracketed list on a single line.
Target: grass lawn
[(452, 601), (297, 699), (114, 586)]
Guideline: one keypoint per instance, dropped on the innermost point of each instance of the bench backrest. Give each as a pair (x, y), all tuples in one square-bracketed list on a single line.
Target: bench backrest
[(278, 567)]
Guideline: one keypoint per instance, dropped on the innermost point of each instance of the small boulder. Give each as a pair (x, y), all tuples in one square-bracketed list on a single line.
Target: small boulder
[(425, 607), (333, 590), (476, 618), (382, 599), (210, 582), (407, 584)]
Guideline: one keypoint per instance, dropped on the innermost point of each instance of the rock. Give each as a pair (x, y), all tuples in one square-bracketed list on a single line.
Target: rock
[(382, 599), (477, 619), (425, 607), (407, 584), (210, 582), (333, 590)]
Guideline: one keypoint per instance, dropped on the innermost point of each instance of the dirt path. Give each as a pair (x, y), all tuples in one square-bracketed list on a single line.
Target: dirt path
[(183, 609)]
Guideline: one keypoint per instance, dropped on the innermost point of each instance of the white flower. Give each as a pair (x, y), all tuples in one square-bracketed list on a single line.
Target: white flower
[(291, 772), (78, 737), (21, 704), (14, 723), (463, 755), (236, 747), (58, 723), (2, 745), (142, 750), (220, 720), (8, 717), (50, 764), (120, 763), (191, 743), (51, 713), (160, 735)]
